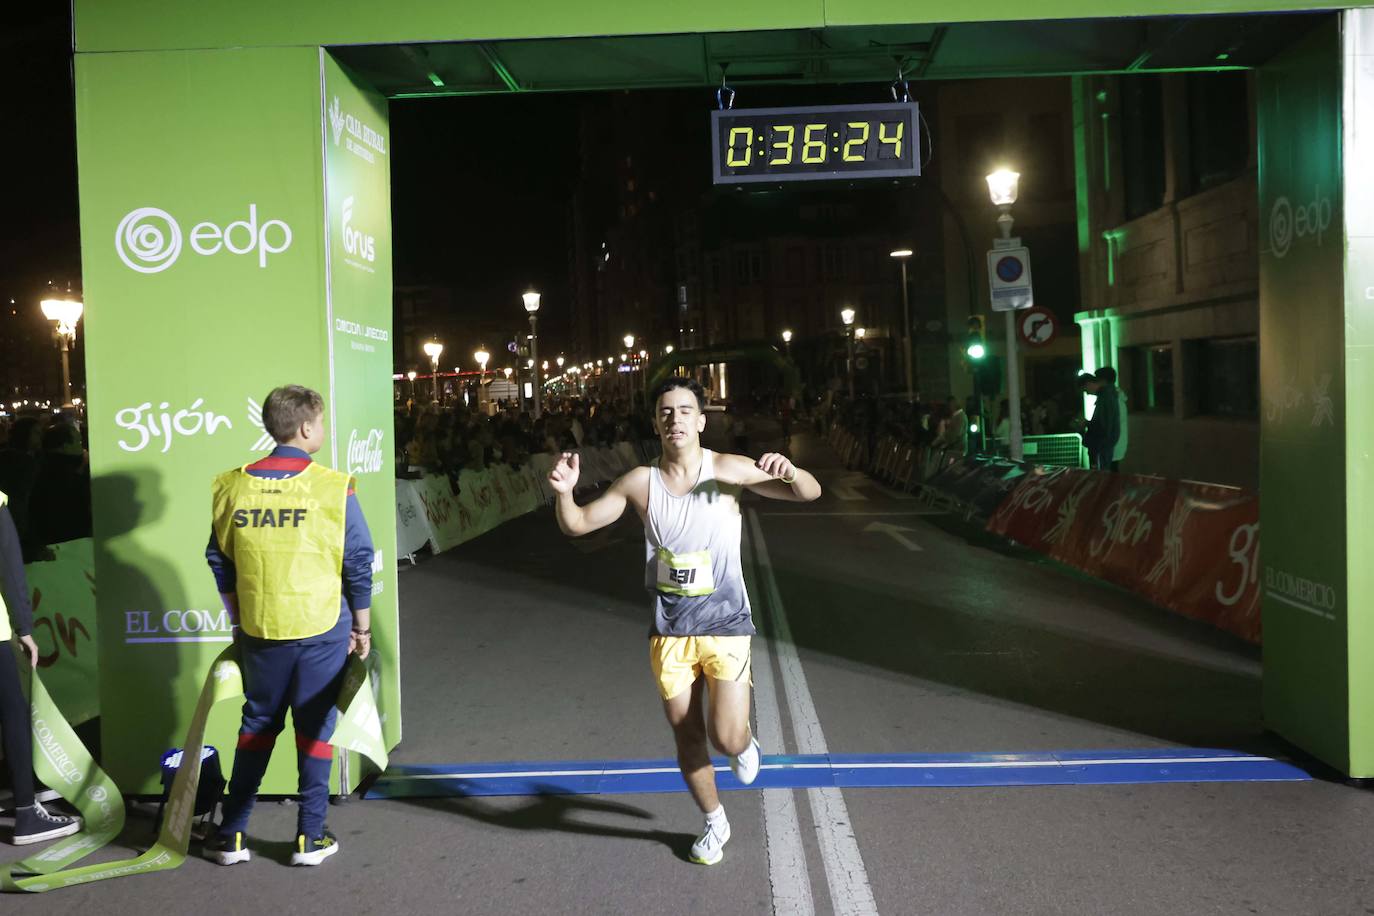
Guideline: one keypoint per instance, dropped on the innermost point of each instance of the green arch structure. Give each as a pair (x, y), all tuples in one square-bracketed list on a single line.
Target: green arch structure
[(750, 351)]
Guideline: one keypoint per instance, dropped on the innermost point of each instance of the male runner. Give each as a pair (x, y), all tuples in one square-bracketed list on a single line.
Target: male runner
[(689, 503)]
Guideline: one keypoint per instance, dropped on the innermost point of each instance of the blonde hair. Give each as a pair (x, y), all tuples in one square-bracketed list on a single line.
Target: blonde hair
[(287, 407)]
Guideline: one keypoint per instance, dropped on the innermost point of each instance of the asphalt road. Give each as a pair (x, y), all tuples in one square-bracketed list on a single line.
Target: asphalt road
[(884, 630)]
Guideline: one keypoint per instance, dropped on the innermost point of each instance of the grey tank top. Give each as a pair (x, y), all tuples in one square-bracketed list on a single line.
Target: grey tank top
[(704, 523)]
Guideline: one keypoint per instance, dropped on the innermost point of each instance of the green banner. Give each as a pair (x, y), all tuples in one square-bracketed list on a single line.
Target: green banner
[(357, 191), (65, 628), (62, 762), (1302, 431), (203, 250)]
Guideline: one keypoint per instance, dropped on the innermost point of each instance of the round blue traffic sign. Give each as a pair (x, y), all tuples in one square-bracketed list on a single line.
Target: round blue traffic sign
[(1010, 269)]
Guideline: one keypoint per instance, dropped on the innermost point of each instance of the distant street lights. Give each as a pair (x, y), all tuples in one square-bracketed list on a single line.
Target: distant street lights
[(532, 306), (908, 354), (433, 349), (847, 316), (66, 312)]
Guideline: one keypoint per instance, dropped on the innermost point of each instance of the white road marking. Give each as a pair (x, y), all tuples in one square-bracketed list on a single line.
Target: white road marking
[(787, 871), (894, 532), (850, 892), (909, 513), (847, 493)]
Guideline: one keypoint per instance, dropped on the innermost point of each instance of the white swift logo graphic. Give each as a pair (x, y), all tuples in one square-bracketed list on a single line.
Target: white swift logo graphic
[(265, 441)]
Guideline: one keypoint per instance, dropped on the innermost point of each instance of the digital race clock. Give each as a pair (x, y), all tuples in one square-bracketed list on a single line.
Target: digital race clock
[(816, 143)]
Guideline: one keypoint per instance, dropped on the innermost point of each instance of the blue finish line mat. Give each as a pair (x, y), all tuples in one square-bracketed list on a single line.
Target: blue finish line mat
[(843, 771)]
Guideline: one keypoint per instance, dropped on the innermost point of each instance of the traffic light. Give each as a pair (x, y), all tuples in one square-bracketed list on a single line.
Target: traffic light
[(975, 346)]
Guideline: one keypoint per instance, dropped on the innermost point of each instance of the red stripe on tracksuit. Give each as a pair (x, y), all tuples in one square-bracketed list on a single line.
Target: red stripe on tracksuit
[(280, 464), (320, 750), (256, 742)]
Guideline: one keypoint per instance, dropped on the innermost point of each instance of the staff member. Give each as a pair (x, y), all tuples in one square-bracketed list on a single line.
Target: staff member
[(32, 822), (292, 556)]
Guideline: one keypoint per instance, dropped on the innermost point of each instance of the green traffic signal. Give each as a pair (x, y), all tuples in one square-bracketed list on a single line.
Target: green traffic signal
[(975, 347)]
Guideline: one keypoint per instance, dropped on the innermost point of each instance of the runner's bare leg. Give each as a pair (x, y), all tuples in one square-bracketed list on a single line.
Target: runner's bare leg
[(687, 717)]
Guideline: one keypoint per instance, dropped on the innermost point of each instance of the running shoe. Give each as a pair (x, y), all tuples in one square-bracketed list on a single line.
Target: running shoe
[(35, 824), (227, 848), (314, 850), (746, 765), (710, 846)]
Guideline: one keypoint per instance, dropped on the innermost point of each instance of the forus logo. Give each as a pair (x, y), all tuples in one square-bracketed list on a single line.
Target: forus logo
[(355, 241)]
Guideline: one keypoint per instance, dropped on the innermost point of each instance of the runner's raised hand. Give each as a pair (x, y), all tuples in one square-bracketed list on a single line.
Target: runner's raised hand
[(565, 473)]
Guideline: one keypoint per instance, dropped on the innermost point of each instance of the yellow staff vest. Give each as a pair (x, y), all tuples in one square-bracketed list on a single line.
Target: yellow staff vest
[(5, 631), (286, 540)]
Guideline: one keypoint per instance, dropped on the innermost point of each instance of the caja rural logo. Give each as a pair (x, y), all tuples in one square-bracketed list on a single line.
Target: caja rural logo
[(149, 240)]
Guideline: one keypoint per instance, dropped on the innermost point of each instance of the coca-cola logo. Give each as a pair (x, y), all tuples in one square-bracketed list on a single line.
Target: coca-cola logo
[(364, 452)]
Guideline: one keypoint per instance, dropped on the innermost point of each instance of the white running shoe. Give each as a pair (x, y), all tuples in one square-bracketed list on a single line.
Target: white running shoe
[(710, 846), (746, 765)]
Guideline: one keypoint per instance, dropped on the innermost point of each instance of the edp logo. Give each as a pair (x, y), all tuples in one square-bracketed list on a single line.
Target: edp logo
[(149, 240), (1287, 222)]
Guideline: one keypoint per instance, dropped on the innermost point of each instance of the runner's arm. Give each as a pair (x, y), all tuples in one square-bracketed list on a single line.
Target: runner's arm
[(769, 475), (575, 520)]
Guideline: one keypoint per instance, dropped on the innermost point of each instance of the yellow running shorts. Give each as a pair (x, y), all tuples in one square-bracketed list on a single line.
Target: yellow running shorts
[(679, 660)]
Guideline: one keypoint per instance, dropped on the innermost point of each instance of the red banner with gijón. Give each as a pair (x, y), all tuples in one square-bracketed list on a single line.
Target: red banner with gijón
[(1189, 547)]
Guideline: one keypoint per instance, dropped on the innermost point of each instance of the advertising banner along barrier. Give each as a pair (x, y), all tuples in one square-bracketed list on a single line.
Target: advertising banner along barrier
[(1190, 547), (62, 762), (427, 508), (65, 627)]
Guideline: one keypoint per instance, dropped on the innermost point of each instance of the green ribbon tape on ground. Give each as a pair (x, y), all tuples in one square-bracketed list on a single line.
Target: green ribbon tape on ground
[(62, 762)]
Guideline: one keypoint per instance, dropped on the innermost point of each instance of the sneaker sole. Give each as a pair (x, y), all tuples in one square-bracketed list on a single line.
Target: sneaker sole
[(30, 838), (229, 857), (313, 858), (696, 860)]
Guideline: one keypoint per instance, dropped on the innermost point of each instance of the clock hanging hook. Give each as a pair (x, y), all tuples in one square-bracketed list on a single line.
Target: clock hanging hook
[(901, 92), (725, 96)]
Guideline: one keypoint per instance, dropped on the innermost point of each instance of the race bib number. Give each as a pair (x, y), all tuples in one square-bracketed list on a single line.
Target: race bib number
[(685, 573)]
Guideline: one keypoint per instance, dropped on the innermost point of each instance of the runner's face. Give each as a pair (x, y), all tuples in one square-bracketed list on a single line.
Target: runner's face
[(679, 419)]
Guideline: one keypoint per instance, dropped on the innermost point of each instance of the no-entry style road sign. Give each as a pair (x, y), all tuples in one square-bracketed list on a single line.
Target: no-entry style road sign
[(1009, 279), (1037, 327)]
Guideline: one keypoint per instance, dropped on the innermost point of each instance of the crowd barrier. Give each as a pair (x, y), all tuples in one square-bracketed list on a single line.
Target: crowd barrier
[(62, 590), (429, 511), (1190, 547)]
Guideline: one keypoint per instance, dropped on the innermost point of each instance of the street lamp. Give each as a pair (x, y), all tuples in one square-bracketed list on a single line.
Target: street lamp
[(560, 362), (629, 341), (859, 333), (903, 255), (433, 349), (481, 356), (66, 312), (411, 375), (847, 316), (1002, 188), (532, 306)]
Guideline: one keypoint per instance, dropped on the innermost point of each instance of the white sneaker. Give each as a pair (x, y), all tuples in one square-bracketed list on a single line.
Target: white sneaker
[(746, 765), (710, 846)]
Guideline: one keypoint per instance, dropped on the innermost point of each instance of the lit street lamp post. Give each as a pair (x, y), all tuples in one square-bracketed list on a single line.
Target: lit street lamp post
[(66, 312), (908, 355), (1002, 189), (787, 343), (411, 375), (532, 306), (629, 376), (433, 349), (847, 316), (481, 356)]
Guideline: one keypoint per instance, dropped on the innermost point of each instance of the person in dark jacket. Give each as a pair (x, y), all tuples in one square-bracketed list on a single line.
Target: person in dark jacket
[(1105, 426)]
